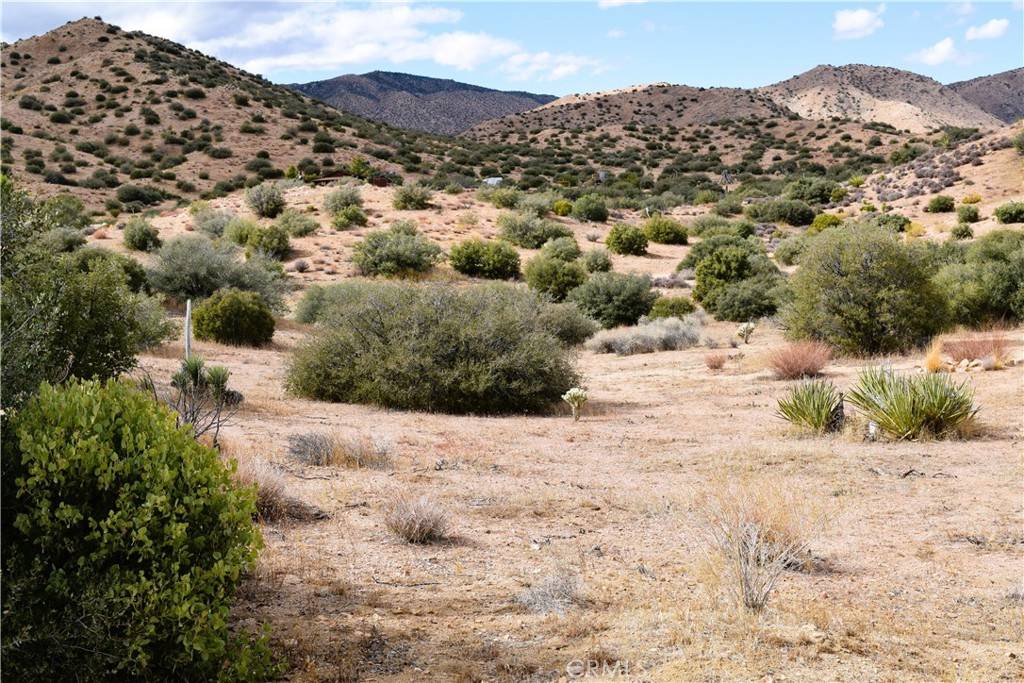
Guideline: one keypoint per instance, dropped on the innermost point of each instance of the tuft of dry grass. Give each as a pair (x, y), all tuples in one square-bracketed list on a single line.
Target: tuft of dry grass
[(715, 361), (753, 530), (417, 519), (357, 452), (272, 501), (799, 360), (978, 349), (554, 593), (933, 361)]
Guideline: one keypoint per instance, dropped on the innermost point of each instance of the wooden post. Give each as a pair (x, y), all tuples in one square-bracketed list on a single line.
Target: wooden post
[(188, 329)]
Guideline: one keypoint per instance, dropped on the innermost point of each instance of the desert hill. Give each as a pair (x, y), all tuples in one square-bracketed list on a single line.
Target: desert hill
[(1001, 95), (434, 105)]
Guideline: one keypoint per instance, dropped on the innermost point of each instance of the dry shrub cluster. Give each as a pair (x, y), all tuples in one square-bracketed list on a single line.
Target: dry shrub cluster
[(357, 452), (554, 593), (976, 349), (715, 361), (418, 519), (798, 360)]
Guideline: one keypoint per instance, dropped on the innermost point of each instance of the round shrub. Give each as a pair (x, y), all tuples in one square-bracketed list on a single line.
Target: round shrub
[(747, 299), (62, 240), (529, 232), (554, 277), (296, 223), (864, 291), (212, 222), (962, 231), (492, 260), (239, 230), (561, 207), (597, 261), (968, 213), (614, 299), (566, 322), (789, 249), (271, 241), (789, 211), (729, 264), (392, 345), (126, 542), (342, 198), (940, 204), (664, 230), (671, 307), (347, 217), (824, 221), (590, 207), (412, 197), (91, 258), (890, 221), (504, 197), (234, 317), (1011, 212), (565, 248), (265, 200), (626, 239), (398, 251), (140, 235)]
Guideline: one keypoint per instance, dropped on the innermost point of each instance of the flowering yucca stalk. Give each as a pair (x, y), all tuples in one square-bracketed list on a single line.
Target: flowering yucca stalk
[(814, 405), (912, 406), (575, 397)]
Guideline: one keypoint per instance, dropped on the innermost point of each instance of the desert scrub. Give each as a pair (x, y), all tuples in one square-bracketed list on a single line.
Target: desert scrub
[(554, 277), (824, 221), (397, 339), (968, 213), (296, 223), (565, 248), (529, 232), (671, 307), (789, 211), (234, 317), (815, 406), (799, 360), (212, 222), (962, 231), (342, 198), (139, 571), (418, 519), (401, 250), (940, 204), (1011, 212), (626, 239), (597, 261), (412, 197), (914, 406), (345, 218), (265, 200), (614, 299), (665, 230), (271, 241), (491, 260), (664, 334), (590, 208), (140, 235)]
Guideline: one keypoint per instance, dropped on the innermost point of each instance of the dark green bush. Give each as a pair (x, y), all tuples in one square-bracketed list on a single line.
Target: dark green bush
[(297, 224), (140, 235), (492, 260), (1011, 212), (528, 231), (968, 213), (988, 286), (864, 291), (62, 240), (232, 316), (272, 241), (790, 211), (626, 239), (412, 197), (597, 261), (565, 248), (962, 231), (398, 251), (665, 230), (347, 217), (391, 345), (342, 198), (590, 207), (671, 307), (614, 299), (134, 273), (124, 542), (554, 277), (748, 299), (940, 204), (710, 245), (265, 200)]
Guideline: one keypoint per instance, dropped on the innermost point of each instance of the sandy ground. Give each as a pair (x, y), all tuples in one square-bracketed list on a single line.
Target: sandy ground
[(917, 577)]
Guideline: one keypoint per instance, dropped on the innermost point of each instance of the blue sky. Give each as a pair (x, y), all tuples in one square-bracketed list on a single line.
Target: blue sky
[(565, 47)]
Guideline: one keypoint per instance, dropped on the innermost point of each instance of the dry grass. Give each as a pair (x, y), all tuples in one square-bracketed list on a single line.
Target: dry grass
[(802, 359), (357, 452), (554, 593), (715, 361), (933, 361), (978, 349), (272, 501), (418, 519)]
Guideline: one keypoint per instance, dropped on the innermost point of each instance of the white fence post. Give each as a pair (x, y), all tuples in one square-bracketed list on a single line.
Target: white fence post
[(188, 329)]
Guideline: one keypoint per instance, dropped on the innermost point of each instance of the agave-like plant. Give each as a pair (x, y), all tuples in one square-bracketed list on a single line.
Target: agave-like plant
[(815, 405), (912, 406)]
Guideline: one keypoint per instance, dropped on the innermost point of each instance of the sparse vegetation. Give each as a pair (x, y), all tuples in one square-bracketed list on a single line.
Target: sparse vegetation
[(799, 360), (400, 251), (417, 519), (265, 200), (411, 198)]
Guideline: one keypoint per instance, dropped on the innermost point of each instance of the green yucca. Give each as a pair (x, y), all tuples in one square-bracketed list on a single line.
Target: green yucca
[(911, 406), (814, 405)]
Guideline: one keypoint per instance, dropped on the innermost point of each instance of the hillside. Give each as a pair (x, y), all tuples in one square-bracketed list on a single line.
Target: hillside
[(1001, 95), (434, 105), (860, 92), (91, 109)]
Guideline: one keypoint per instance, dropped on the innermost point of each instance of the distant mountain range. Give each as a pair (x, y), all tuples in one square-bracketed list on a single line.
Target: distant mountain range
[(1001, 95), (433, 105)]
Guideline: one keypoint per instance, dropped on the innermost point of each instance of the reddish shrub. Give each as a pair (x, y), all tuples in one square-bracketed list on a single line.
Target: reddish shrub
[(802, 359)]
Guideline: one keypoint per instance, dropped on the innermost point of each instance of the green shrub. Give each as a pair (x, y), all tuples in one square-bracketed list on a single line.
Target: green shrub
[(671, 307), (864, 291), (212, 222), (789, 211), (140, 235), (398, 251), (597, 261), (824, 221), (565, 248), (962, 231), (342, 198), (626, 239), (296, 223), (528, 231), (561, 207), (788, 250), (748, 299), (1011, 212), (62, 240), (62, 211), (239, 230), (813, 405), (347, 217), (397, 342), (134, 274), (271, 241), (914, 406), (125, 544), (412, 197), (719, 268), (503, 197), (710, 245), (590, 207), (664, 230), (940, 204), (967, 213), (614, 299), (890, 221), (554, 277), (492, 260), (987, 284), (265, 200), (234, 317), (566, 323)]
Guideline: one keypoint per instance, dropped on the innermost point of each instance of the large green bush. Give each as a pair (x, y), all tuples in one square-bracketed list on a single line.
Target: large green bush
[(554, 277), (412, 197), (493, 260), (134, 273), (710, 245), (864, 291), (271, 241), (749, 299), (1011, 212), (671, 307), (265, 200), (565, 248), (590, 207), (790, 211), (140, 235), (296, 223), (124, 542), (400, 250), (528, 231), (626, 239), (940, 204), (232, 316), (664, 230), (614, 299), (987, 284), (597, 261), (436, 348)]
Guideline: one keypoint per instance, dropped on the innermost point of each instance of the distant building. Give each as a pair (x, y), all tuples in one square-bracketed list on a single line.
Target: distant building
[(494, 181)]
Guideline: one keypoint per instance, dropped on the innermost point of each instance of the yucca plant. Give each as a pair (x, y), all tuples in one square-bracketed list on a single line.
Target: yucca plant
[(912, 406), (814, 405)]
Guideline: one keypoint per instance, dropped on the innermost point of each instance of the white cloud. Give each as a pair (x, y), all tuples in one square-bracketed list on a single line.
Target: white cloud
[(850, 24), (939, 53), (607, 4), (993, 28), (616, 33), (545, 66)]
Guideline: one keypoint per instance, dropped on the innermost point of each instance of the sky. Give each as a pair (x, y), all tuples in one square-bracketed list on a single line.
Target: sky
[(568, 47)]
